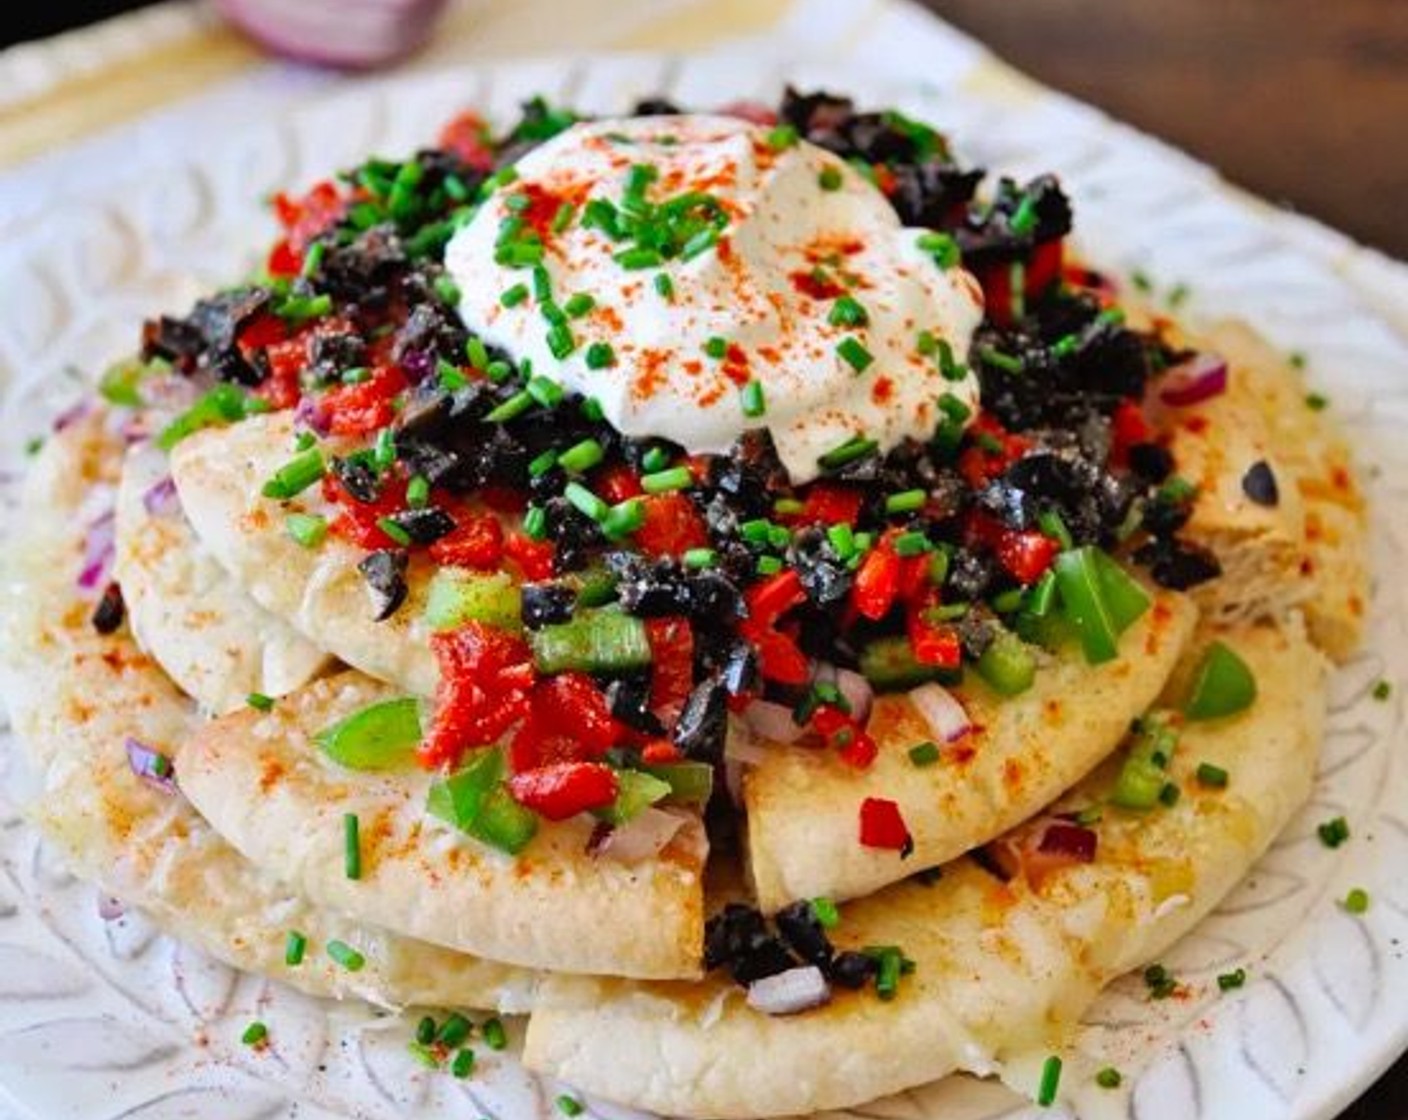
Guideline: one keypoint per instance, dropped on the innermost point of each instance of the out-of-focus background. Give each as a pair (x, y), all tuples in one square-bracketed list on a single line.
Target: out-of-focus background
[(1304, 102)]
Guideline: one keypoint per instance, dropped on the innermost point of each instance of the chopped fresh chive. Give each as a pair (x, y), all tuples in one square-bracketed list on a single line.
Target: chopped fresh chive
[(638, 257), (295, 945), (829, 179), (906, 501), (1050, 1082), (560, 341), (418, 492), (535, 523), (941, 246), (541, 464), (1160, 983), (570, 1106), (563, 217), (348, 957), (854, 354), (256, 1034), (1382, 690), (463, 1065), (826, 913), (716, 347), (655, 459), (1002, 361), (384, 449), (1229, 981), (1023, 219), (454, 1030), (782, 136), (664, 286), (1334, 832), (394, 531), (857, 447), (1178, 295), (1169, 795), (313, 259), (579, 304), (545, 391), (600, 355), (518, 254), (351, 846), (423, 1054), (447, 290), (592, 410), (769, 565), (582, 456), (259, 702), (1140, 279), (550, 311), (587, 502), (924, 754), (295, 476), (425, 1030), (624, 518), (1215, 777), (848, 311), (357, 375), (913, 543), (476, 352), (699, 557), (1109, 1078), (701, 242), (1297, 359), (495, 1037), (1356, 901), (754, 403), (843, 540), (949, 366), (1317, 402), (513, 406), (674, 478), (542, 284)]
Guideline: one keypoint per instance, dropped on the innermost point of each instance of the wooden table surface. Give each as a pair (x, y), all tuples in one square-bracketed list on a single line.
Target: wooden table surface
[(1300, 101)]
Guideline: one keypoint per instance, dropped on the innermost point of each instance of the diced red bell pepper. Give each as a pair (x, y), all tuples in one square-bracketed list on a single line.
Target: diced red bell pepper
[(780, 659), (617, 483), (877, 582), (564, 789), (914, 576), (881, 826), (1128, 427), (827, 503), (468, 137), (672, 665), (773, 597), (360, 410), (981, 461), (486, 682), (1026, 554), (672, 526), (477, 541), (931, 641), (357, 521), (659, 752), (569, 722), (534, 558), (1041, 268), (303, 218), (844, 734)]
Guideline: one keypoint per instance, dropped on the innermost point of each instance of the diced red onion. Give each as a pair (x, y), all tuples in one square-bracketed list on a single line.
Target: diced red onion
[(72, 415), (941, 711), (754, 112), (151, 766), (771, 721), (310, 414), (161, 499), (353, 33), (99, 551), (1193, 381), (858, 693), (109, 908), (643, 837), (786, 993), (1066, 839)]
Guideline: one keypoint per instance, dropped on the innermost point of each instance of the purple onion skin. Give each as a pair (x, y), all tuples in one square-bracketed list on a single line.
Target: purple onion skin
[(344, 34), (144, 763)]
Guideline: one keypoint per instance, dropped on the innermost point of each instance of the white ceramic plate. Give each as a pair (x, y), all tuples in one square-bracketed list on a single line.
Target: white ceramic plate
[(110, 1019)]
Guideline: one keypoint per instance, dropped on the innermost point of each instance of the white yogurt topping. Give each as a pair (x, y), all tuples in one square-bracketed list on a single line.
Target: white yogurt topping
[(768, 288)]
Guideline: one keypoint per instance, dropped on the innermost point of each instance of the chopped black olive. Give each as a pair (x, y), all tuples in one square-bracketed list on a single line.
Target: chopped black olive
[(799, 927), (1178, 565), (110, 611), (699, 733), (546, 604), (423, 526), (358, 478), (385, 574), (1259, 484)]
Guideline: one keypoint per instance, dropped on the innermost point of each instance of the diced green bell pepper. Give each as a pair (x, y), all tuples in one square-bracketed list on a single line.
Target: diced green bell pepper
[(599, 641), (690, 782), (636, 791), (456, 597), (379, 737), (1223, 686), (1007, 665)]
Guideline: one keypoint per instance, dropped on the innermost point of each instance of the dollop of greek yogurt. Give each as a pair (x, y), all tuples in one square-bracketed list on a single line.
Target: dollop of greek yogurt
[(700, 275)]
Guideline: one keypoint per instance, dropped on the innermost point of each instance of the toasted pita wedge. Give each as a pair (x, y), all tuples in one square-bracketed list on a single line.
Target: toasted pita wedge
[(268, 789), (1306, 550), (219, 475), (187, 612), (804, 804), (1001, 967), (75, 697)]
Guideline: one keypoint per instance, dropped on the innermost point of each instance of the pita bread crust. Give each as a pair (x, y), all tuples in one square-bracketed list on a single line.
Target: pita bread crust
[(268, 789), (219, 474), (74, 697), (1002, 968), (189, 614), (1309, 551), (803, 804)]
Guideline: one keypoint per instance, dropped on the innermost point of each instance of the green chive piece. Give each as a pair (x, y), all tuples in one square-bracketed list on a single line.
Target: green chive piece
[(664, 286), (579, 304), (1230, 981), (542, 284), (454, 1030), (1356, 901), (1160, 983), (754, 403), (716, 347), (941, 246), (826, 913), (352, 846), (857, 447), (1169, 795), (463, 1065), (675, 478), (587, 502), (1214, 777), (313, 259), (295, 945), (561, 342), (1317, 402), (848, 311), (1002, 361), (1382, 690), (782, 136), (655, 459), (701, 242), (769, 565), (515, 405), (535, 523), (418, 492), (924, 754), (545, 391), (308, 529), (592, 410), (854, 354), (563, 217), (394, 531), (425, 1031), (570, 1106), (295, 476), (423, 1054), (624, 518), (447, 290), (259, 702), (1334, 832), (600, 355), (348, 957), (639, 257), (1050, 1082), (1023, 219), (255, 1034), (539, 465), (581, 457), (699, 557), (843, 540), (1109, 1078), (906, 501), (913, 543), (829, 179), (495, 1037)]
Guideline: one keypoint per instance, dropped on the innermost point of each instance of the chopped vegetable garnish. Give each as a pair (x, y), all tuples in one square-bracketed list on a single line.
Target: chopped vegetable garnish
[(346, 956), (1050, 1082), (924, 754), (1223, 685), (854, 354), (1228, 981), (381, 736), (1382, 690), (1333, 832), (847, 311), (826, 913), (463, 1064), (674, 478), (256, 1034), (595, 641), (754, 402), (581, 457), (1215, 777), (570, 1106), (829, 179), (1160, 984), (295, 476), (425, 1030), (1109, 1078), (1098, 599), (495, 1037), (600, 355), (308, 529), (351, 846), (295, 945), (1356, 901), (259, 702), (475, 800), (882, 826), (1142, 777), (454, 1030)]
